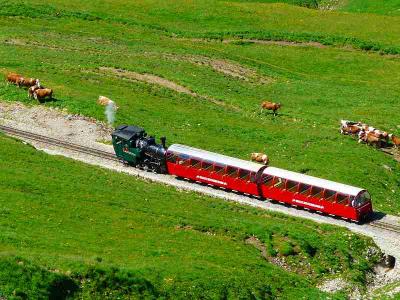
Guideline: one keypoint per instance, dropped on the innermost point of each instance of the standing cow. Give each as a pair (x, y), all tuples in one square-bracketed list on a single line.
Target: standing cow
[(270, 106), (42, 94), (29, 82), (14, 78)]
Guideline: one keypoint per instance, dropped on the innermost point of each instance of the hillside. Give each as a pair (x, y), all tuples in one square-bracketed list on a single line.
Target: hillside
[(196, 72), (215, 88), (172, 243)]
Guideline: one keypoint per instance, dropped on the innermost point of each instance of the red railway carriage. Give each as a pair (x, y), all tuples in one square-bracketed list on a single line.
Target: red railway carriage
[(213, 168), (316, 194), (268, 182)]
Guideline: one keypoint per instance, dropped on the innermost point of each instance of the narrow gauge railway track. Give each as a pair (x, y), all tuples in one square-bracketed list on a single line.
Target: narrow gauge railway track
[(58, 143), (110, 156), (386, 226)]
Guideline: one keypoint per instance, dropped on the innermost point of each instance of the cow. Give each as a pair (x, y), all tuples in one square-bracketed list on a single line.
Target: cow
[(14, 78), (28, 82), (270, 106), (350, 129), (395, 140), (42, 94), (260, 157), (32, 89), (370, 138), (104, 101)]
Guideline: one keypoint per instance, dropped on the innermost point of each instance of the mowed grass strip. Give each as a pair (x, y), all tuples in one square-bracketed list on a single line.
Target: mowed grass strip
[(65, 215)]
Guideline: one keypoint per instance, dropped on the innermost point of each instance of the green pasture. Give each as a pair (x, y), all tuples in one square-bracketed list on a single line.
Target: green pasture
[(68, 226), (317, 86)]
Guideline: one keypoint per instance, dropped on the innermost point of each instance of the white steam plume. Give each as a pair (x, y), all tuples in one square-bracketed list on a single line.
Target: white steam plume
[(110, 111)]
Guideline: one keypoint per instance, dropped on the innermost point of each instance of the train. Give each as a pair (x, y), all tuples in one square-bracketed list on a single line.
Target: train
[(134, 147)]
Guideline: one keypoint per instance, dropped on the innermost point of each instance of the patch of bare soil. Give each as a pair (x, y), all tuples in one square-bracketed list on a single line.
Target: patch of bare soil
[(254, 241), (56, 123), (225, 67), (149, 78), (392, 151), (153, 79)]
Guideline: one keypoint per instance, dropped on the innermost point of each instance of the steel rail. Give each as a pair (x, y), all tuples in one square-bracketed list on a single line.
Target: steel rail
[(386, 226), (103, 154), (58, 143)]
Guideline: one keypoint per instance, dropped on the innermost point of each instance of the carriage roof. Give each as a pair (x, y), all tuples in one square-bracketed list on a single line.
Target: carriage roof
[(215, 157), (314, 181), (255, 167)]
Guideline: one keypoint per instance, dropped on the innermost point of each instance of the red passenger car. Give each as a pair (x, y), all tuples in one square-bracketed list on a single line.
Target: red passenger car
[(269, 182)]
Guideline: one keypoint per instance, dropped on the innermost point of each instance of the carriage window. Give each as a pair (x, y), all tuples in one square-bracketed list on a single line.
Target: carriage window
[(329, 195), (279, 183), (304, 188), (172, 157), (195, 163), (291, 185), (253, 177), (206, 165), (219, 169), (316, 192), (232, 172), (267, 179), (184, 160), (244, 174), (361, 199), (342, 199)]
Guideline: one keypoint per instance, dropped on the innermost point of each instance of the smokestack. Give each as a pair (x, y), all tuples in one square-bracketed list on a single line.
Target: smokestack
[(163, 139)]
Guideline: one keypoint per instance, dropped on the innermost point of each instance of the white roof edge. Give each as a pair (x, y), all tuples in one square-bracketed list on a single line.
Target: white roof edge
[(314, 181), (215, 157), (254, 167)]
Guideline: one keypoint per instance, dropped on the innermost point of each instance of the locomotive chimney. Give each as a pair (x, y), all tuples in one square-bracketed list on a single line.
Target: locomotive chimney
[(163, 139)]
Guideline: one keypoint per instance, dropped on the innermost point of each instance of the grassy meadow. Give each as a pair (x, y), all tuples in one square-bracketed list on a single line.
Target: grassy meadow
[(66, 45), (96, 239), (125, 237)]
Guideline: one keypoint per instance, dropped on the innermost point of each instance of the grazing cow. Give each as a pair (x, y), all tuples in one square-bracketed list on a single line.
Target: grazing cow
[(42, 94), (370, 139), (395, 140), (260, 157), (350, 129), (32, 89), (270, 106), (104, 101), (28, 82), (14, 78)]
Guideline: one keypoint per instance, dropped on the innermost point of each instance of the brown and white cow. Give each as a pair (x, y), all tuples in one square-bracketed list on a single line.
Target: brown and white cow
[(42, 94), (31, 90), (350, 129), (370, 138), (28, 82), (270, 106), (260, 157)]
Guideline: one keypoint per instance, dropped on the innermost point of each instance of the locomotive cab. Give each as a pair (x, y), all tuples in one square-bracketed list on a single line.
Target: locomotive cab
[(124, 140), (133, 146)]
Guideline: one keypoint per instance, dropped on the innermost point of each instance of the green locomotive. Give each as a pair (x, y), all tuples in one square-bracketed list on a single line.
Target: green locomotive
[(133, 146)]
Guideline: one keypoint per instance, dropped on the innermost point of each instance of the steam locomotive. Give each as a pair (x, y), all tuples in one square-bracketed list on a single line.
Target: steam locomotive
[(133, 147)]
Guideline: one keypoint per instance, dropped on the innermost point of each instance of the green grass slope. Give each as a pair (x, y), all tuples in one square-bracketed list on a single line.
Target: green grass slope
[(71, 230), (387, 7), (317, 86)]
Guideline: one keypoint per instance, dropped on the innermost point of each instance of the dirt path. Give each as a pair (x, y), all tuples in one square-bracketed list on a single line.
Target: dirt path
[(157, 80)]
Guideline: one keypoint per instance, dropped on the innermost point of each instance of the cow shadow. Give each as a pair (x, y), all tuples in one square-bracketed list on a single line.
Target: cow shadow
[(48, 100)]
